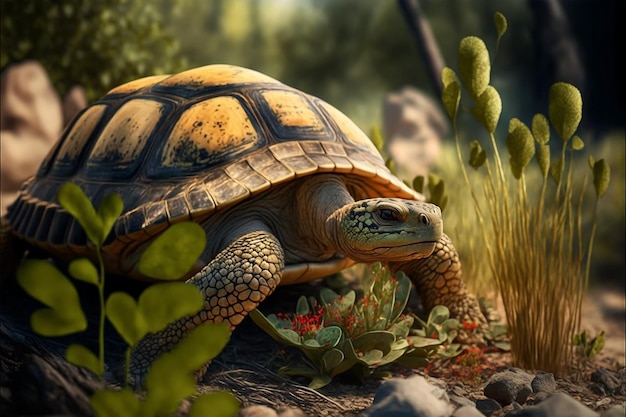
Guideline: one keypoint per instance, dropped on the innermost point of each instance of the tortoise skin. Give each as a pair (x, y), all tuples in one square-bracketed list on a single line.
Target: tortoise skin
[(179, 147)]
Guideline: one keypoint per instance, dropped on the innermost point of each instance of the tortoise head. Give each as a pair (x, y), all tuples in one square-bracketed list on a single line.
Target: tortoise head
[(388, 229)]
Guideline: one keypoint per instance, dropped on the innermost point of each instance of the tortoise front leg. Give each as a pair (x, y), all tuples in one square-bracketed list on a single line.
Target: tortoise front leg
[(234, 283), (437, 279)]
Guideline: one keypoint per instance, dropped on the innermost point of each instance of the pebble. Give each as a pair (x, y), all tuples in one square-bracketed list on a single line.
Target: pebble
[(508, 386)]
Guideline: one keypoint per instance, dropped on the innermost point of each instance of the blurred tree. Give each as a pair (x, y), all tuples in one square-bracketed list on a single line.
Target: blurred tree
[(96, 44)]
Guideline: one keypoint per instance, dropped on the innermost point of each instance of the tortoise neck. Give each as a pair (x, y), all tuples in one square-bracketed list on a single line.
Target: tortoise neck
[(318, 201)]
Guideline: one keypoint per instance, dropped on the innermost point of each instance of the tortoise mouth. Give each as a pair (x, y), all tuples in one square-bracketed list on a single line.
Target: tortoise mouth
[(406, 252)]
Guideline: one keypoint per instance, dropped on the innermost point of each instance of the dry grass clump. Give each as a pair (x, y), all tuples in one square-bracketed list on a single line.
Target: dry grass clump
[(534, 242)]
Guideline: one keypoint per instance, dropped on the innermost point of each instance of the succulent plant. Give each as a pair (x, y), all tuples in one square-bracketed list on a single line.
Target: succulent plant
[(346, 333)]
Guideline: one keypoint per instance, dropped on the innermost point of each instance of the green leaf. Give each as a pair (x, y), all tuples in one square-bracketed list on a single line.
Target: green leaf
[(565, 109), (478, 156), (488, 109), (329, 336), (331, 359), (438, 315), (173, 252), (500, 22), (403, 291), (601, 177), (281, 335), (302, 307), (372, 357), (46, 283), (109, 211), (451, 97), (474, 65), (320, 381), (115, 403), (73, 199), (160, 304), (521, 148), (215, 404), (81, 356), (556, 171), (288, 336), (541, 128), (577, 143), (378, 339), (448, 76), (124, 315), (418, 183), (84, 270)]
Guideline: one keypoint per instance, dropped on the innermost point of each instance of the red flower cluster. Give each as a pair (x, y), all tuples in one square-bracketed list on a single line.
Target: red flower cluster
[(307, 325)]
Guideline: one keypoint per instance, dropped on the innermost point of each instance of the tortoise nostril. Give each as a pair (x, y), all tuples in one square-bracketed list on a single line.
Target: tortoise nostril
[(424, 219)]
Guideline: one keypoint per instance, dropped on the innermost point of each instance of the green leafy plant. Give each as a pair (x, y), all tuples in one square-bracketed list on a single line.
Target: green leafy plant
[(532, 232), (587, 346), (171, 376), (357, 335)]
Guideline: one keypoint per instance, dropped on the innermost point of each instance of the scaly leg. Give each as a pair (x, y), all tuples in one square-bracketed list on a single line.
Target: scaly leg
[(234, 283), (438, 282)]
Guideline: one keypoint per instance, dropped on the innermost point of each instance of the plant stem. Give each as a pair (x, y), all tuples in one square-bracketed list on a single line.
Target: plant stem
[(102, 310)]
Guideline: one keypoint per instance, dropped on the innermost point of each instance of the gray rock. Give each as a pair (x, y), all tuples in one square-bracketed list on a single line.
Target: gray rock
[(543, 383), (467, 411), (508, 386), (458, 401), (488, 407), (257, 411), (291, 412), (615, 411), (556, 405), (606, 379), (410, 397)]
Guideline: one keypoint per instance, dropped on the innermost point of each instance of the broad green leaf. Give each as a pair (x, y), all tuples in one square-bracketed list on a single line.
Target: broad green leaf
[(174, 252), (109, 211), (565, 109), (81, 356), (474, 65), (302, 307), (83, 269), (201, 345), (438, 315), (379, 339), (521, 148), (401, 328), (601, 177), (73, 199), (372, 357), (115, 403), (403, 291), (125, 316), (311, 343), (328, 296), (488, 109), (329, 336), (413, 361), (478, 156), (44, 282), (215, 404), (451, 97), (331, 359), (290, 338), (160, 304), (320, 381), (500, 22), (541, 128)]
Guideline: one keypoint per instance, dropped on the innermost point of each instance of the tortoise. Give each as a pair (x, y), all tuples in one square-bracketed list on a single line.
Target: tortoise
[(286, 186)]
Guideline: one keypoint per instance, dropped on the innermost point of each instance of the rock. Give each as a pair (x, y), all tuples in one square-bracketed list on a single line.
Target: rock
[(75, 100), (556, 405), (603, 377), (458, 401), (615, 411), (488, 407), (31, 121), (291, 412), (508, 386), (467, 411), (257, 411), (410, 397), (413, 127), (543, 383)]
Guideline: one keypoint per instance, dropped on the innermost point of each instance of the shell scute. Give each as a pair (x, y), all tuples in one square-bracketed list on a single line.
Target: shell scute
[(266, 164), (243, 173)]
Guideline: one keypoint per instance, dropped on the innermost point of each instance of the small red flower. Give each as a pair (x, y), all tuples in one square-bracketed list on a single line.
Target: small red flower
[(469, 325)]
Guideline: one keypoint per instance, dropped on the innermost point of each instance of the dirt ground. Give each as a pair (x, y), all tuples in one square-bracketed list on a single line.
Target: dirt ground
[(248, 368)]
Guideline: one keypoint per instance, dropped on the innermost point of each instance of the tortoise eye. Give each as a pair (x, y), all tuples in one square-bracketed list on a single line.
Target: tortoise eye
[(388, 215)]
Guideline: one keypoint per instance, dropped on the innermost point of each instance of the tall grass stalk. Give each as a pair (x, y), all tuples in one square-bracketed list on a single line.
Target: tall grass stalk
[(533, 234)]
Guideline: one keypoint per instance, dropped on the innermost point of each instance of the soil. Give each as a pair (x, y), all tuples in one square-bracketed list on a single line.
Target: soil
[(248, 367)]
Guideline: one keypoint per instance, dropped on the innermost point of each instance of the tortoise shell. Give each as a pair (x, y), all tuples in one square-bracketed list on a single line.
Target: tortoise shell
[(179, 147)]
